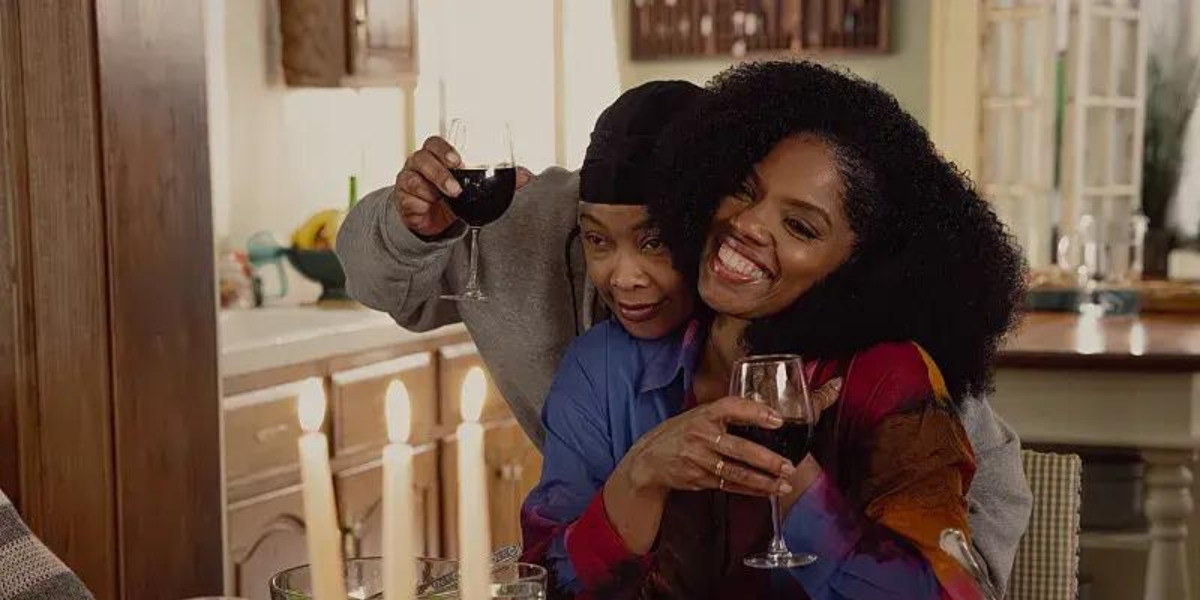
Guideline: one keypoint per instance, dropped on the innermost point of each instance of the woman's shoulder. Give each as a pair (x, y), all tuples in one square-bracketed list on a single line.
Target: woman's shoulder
[(892, 375)]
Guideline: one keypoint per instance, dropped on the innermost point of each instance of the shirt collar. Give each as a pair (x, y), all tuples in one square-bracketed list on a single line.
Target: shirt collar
[(667, 357)]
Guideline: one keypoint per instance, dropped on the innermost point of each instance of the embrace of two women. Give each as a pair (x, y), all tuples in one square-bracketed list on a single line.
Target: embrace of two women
[(786, 208)]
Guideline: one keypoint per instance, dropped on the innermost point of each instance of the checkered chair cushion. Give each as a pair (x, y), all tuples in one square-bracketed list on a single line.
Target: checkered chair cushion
[(1047, 562)]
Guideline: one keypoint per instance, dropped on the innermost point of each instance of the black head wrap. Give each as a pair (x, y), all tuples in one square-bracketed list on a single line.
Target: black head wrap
[(617, 167)]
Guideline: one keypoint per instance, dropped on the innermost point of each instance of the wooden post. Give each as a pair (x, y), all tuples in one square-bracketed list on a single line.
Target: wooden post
[(108, 354), (1168, 506)]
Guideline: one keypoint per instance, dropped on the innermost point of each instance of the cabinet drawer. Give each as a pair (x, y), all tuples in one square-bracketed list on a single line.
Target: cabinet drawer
[(260, 432), (358, 401), (453, 364)]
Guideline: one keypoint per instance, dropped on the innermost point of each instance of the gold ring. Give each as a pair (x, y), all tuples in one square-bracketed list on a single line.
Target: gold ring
[(717, 441), (721, 484), (720, 466)]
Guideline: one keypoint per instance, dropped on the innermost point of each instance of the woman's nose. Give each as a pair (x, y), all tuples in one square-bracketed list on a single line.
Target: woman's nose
[(627, 274), (749, 225)]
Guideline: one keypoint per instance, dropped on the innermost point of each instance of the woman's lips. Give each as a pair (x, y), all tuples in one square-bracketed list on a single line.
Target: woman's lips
[(638, 312), (733, 266)]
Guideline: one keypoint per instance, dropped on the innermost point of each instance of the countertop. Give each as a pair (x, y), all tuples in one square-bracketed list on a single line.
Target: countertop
[(1148, 342), (267, 338)]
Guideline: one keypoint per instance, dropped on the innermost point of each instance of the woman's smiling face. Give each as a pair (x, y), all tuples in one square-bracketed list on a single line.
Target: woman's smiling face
[(785, 232), (632, 271)]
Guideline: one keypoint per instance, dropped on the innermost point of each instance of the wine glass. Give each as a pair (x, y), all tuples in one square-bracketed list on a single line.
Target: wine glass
[(488, 177), (776, 380)]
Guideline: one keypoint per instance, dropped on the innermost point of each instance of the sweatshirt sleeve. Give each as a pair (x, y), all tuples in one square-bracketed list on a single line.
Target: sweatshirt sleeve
[(999, 499), (390, 269)]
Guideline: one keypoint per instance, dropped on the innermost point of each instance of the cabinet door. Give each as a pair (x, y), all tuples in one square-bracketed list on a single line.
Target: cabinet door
[(360, 496), (381, 49), (428, 500), (514, 466), (266, 536), (360, 505)]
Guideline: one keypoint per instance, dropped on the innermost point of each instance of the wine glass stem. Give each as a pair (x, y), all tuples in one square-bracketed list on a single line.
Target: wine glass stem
[(778, 547), (473, 269)]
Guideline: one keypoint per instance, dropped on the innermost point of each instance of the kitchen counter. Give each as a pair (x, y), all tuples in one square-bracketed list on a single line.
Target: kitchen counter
[(268, 338)]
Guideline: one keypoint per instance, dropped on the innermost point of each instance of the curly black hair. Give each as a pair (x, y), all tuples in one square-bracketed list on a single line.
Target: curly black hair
[(932, 263)]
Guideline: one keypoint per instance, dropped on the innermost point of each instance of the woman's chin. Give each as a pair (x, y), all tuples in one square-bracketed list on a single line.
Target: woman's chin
[(726, 299)]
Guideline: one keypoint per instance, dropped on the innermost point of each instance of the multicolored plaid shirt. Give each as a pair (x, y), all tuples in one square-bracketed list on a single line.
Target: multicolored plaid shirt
[(896, 465), (29, 570)]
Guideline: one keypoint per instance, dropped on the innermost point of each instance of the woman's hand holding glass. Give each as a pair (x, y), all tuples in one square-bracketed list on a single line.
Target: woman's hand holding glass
[(695, 451)]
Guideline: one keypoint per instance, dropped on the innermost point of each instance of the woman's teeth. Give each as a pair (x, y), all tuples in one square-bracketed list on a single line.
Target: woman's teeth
[(734, 261)]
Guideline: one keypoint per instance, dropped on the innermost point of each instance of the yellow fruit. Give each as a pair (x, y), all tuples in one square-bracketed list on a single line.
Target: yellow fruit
[(318, 232)]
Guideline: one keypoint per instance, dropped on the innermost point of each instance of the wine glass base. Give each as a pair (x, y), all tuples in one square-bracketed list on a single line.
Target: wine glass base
[(786, 560), (472, 296)]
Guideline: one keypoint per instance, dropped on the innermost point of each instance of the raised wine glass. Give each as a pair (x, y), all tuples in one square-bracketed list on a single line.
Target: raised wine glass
[(776, 380), (488, 177)]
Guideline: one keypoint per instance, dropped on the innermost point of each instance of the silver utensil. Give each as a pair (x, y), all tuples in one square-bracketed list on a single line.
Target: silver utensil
[(953, 542)]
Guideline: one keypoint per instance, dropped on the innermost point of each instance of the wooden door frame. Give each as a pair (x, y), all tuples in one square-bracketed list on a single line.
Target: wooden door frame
[(109, 399)]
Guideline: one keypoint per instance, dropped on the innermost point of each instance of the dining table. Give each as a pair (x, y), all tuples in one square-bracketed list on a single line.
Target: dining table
[(1128, 382)]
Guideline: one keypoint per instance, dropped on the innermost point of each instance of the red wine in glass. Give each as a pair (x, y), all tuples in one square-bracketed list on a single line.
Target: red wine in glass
[(790, 441), (486, 193), (488, 183), (776, 381)]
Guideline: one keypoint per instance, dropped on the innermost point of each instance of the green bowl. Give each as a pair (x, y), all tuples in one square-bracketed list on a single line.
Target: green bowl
[(323, 267), (1053, 300)]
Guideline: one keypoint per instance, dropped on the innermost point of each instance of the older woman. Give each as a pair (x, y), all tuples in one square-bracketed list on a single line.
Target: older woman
[(816, 218)]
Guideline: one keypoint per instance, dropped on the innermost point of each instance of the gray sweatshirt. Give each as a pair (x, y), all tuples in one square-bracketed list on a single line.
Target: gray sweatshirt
[(538, 305)]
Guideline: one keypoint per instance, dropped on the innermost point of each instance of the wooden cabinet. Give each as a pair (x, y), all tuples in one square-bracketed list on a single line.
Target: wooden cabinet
[(266, 536), (358, 396), (355, 43), (454, 363), (360, 502), (706, 28), (260, 433), (266, 511), (514, 466), (428, 500), (360, 507)]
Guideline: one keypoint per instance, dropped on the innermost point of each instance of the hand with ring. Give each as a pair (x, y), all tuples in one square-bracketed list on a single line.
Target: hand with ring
[(694, 451), (690, 452)]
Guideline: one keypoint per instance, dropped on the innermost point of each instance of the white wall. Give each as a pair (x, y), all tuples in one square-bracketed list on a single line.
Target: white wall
[(280, 154), (591, 65)]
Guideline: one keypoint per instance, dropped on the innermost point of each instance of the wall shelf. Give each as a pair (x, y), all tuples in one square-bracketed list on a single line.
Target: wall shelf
[(666, 29)]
